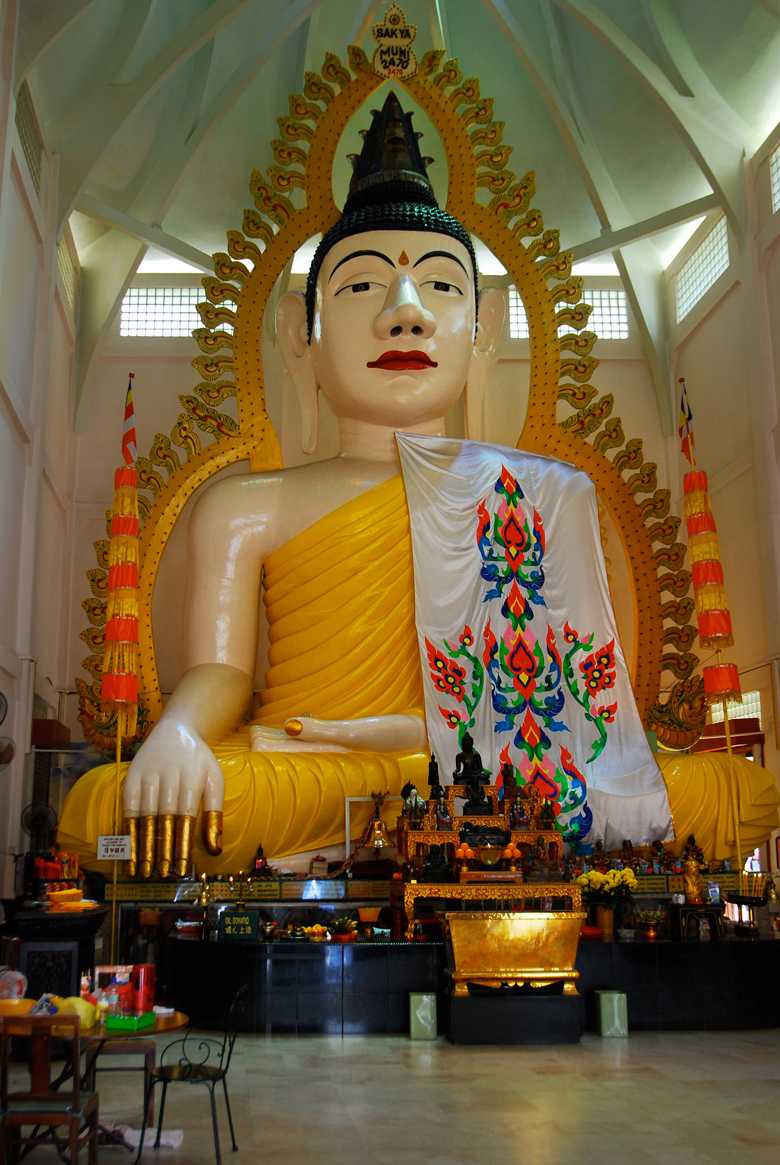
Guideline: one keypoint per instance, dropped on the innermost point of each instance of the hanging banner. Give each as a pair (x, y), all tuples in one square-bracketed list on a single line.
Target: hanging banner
[(518, 641)]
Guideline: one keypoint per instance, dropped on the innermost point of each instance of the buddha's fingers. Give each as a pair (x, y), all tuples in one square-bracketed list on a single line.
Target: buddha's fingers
[(167, 806), (213, 800), (131, 799), (147, 845), (184, 830), (131, 829), (165, 835), (149, 798)]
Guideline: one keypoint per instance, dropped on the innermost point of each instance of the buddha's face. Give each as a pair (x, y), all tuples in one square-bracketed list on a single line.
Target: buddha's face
[(394, 326)]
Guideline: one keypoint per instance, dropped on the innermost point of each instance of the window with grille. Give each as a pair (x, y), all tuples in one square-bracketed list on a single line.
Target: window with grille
[(68, 270), (29, 135), (160, 311), (774, 179), (518, 320), (608, 319), (748, 707), (705, 266)]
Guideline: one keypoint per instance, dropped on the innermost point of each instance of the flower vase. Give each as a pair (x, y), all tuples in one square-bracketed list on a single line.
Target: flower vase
[(605, 920)]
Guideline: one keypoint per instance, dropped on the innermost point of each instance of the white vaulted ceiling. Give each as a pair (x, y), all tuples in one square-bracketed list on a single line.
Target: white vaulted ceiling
[(635, 114)]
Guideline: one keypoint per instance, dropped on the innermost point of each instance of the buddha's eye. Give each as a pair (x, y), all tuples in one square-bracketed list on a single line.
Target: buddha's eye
[(443, 286), (357, 288)]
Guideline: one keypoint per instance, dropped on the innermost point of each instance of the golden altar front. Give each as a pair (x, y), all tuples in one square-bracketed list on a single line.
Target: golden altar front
[(494, 949)]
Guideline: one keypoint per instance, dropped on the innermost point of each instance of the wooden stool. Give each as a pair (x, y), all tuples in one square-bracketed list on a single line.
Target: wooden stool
[(146, 1048)]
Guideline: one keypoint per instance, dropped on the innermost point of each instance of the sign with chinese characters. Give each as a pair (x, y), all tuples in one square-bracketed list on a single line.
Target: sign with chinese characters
[(393, 56), (113, 847), (238, 926)]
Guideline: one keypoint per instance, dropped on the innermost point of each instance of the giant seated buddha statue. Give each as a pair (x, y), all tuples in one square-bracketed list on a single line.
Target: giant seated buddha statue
[(391, 330)]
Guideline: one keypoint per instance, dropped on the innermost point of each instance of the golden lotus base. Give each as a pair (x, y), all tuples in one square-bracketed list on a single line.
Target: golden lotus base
[(493, 949)]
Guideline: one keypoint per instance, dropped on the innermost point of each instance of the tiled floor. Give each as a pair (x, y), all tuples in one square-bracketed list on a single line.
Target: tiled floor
[(690, 1098)]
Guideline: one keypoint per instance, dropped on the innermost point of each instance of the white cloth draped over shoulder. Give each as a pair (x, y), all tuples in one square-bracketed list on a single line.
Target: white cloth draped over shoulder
[(517, 636)]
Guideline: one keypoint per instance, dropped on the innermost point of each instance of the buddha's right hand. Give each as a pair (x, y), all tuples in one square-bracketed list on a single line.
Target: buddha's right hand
[(173, 770)]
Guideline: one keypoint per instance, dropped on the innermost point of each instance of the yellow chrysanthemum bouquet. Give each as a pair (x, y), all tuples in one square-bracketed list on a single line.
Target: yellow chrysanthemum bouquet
[(607, 888)]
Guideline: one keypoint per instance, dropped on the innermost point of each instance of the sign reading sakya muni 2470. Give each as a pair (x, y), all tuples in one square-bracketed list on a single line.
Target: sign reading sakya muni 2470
[(394, 37)]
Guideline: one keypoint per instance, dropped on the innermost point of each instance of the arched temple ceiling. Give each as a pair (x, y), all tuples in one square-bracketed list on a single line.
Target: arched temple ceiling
[(635, 115)]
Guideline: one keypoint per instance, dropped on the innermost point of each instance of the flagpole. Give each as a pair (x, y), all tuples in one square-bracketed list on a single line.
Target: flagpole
[(115, 828), (733, 790), (119, 683)]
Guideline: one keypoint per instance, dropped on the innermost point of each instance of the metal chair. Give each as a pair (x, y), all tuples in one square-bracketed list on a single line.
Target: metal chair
[(44, 1106), (199, 1059)]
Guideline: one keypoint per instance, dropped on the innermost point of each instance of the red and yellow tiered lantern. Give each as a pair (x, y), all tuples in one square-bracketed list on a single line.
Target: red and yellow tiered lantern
[(721, 680), (119, 686)]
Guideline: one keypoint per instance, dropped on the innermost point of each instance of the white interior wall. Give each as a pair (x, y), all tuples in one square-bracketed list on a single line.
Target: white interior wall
[(715, 350), (37, 332)]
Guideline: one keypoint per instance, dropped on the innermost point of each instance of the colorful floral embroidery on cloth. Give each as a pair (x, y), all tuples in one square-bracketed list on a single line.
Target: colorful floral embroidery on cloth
[(533, 685)]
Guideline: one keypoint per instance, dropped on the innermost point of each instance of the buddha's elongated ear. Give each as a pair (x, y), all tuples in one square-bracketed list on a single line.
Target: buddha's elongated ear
[(492, 312), (292, 334)]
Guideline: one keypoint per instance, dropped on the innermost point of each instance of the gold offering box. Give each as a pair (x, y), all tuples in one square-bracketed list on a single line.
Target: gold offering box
[(534, 948)]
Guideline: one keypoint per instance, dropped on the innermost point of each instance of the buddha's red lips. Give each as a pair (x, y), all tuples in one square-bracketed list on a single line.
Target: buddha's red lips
[(402, 361)]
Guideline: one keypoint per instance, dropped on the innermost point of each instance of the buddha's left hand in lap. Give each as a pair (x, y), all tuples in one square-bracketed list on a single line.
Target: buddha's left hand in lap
[(394, 733)]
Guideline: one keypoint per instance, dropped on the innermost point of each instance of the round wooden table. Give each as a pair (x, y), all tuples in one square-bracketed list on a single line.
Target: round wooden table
[(162, 1024), (95, 1039)]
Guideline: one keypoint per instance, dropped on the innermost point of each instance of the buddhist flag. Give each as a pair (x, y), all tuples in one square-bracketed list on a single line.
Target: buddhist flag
[(685, 424), (129, 443)]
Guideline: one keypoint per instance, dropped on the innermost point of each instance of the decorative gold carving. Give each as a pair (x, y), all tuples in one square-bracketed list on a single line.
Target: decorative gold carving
[(487, 892), (577, 395), (680, 664), (394, 57), (682, 638), (95, 610), (679, 610), (611, 435), (680, 721), (587, 421)]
